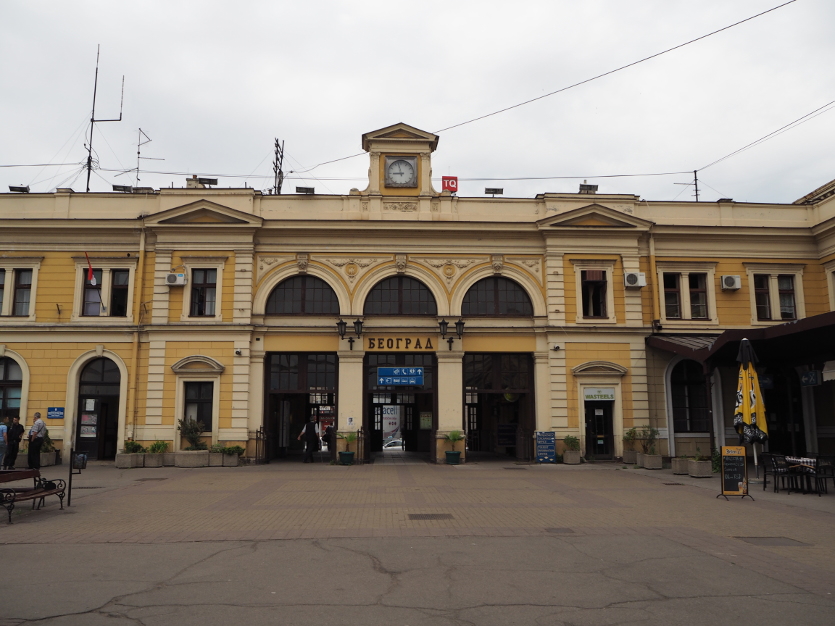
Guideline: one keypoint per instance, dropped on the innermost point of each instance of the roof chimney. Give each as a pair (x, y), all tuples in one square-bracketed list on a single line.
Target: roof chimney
[(193, 183), (584, 188)]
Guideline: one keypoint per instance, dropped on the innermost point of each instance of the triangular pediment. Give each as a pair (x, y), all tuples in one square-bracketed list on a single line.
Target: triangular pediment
[(594, 216), (399, 132), (204, 213)]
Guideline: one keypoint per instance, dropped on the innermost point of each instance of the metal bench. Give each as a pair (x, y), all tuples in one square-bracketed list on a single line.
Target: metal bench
[(41, 488)]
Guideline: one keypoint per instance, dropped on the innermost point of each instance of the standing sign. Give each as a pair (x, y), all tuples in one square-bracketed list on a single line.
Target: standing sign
[(391, 421), (734, 472), (546, 447)]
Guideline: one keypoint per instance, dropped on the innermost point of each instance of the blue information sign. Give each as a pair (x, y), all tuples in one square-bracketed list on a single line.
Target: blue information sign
[(55, 413), (546, 447), (399, 376)]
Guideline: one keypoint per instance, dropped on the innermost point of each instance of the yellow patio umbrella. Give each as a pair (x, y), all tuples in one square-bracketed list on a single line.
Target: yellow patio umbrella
[(749, 413)]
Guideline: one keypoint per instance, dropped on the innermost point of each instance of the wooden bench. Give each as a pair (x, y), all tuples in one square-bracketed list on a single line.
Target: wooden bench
[(41, 488)]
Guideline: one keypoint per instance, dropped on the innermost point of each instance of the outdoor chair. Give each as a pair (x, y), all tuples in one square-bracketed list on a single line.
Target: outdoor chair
[(768, 468), (782, 471), (826, 469)]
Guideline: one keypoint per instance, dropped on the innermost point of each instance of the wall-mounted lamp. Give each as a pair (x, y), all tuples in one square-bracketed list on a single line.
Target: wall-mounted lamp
[(443, 326), (358, 327), (342, 328)]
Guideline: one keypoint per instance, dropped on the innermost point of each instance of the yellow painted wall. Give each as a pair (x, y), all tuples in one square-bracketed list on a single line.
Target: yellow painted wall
[(579, 353), (571, 296), (223, 351), (56, 286)]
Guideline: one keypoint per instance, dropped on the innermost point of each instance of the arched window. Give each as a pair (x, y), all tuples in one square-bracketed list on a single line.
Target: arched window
[(496, 296), (303, 295), (400, 295), (11, 384), (689, 396)]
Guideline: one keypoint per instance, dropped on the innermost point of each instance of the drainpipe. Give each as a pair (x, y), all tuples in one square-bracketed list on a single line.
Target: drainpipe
[(708, 374), (653, 275), (137, 308)]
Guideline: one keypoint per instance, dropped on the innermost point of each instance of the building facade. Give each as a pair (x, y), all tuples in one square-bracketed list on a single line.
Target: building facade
[(124, 313)]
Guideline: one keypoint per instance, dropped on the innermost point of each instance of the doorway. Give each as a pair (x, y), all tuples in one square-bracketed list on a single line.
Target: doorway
[(600, 441), (407, 410), (299, 386), (98, 409)]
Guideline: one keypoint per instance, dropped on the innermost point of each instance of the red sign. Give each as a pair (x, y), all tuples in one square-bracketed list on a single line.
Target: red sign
[(449, 183)]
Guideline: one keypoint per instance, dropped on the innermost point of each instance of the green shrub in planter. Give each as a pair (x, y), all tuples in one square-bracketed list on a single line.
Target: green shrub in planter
[(133, 447), (192, 430)]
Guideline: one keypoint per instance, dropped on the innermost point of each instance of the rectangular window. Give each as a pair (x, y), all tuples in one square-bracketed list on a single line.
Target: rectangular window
[(22, 292), (698, 296), (785, 290), (762, 296), (92, 294), (593, 287), (203, 292), (2, 286), (119, 293), (672, 296), (198, 404)]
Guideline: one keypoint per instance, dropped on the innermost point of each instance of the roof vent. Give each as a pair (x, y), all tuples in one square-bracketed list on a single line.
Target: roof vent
[(585, 188)]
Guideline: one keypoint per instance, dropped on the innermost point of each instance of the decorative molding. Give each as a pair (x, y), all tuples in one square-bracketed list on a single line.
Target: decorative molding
[(303, 260), (400, 263), (204, 365), (435, 206), (497, 261), (351, 266), (265, 262), (402, 207), (364, 207), (448, 268), (599, 368)]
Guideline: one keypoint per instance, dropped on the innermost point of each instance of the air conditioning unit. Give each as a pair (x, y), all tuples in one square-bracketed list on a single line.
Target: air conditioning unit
[(175, 279), (635, 280), (731, 283)]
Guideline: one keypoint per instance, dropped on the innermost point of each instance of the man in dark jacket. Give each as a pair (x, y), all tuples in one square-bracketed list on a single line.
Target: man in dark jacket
[(15, 434), (311, 439)]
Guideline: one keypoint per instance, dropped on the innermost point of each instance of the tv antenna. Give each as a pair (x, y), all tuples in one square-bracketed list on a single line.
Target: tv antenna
[(93, 119), (139, 144), (695, 183), (278, 161)]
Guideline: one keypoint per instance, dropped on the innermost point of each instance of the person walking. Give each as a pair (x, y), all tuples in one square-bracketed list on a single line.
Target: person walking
[(36, 435), (311, 439), (14, 435), (4, 441)]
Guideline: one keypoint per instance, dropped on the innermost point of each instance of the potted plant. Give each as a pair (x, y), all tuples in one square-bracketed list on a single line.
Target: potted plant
[(216, 455), (700, 466), (196, 454), (346, 456), (571, 455), (453, 457), (132, 455), (232, 456), (679, 464), (648, 436), (48, 452), (630, 455), (153, 457)]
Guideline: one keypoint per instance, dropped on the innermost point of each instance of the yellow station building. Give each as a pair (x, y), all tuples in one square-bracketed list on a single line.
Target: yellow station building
[(582, 314)]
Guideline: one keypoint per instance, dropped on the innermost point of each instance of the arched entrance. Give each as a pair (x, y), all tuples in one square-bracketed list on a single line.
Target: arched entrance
[(98, 409)]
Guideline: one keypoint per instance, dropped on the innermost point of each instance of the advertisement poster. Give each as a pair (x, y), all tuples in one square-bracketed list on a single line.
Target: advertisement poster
[(91, 419), (426, 420), (88, 431), (391, 421)]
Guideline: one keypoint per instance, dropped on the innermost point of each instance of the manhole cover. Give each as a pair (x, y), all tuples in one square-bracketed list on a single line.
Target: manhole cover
[(144, 480), (673, 484), (521, 468), (559, 531), (772, 541), (88, 487), (418, 516)]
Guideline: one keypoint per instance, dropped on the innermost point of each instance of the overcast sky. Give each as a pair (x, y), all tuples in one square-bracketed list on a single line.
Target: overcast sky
[(213, 83)]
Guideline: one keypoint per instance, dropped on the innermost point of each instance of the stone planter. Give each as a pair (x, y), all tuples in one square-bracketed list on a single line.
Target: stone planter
[(639, 459), (168, 459), (630, 457), (571, 457), (215, 459), (153, 460), (128, 461), (47, 458), (231, 460), (700, 469), (679, 465), (652, 461), (192, 458)]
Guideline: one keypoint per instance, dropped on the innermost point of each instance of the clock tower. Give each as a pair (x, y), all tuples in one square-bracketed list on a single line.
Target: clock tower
[(400, 161)]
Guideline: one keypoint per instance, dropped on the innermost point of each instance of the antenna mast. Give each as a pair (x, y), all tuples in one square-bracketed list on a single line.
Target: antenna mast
[(278, 161), (695, 183), (139, 144), (93, 119)]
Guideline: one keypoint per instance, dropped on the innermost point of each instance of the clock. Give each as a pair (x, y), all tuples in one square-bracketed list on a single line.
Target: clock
[(401, 171)]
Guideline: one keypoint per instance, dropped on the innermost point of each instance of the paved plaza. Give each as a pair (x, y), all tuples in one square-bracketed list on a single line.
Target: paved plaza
[(410, 543)]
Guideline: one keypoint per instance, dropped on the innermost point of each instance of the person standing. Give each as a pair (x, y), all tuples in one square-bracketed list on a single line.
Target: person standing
[(311, 439), (4, 441), (14, 435), (330, 439), (36, 435)]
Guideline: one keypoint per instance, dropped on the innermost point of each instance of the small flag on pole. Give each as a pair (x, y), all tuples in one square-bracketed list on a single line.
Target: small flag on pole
[(91, 278)]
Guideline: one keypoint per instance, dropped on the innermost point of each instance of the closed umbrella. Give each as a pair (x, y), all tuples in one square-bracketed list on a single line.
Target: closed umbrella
[(749, 413)]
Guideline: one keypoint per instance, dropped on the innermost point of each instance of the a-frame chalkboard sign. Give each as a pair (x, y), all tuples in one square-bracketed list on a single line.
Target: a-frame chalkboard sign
[(734, 473)]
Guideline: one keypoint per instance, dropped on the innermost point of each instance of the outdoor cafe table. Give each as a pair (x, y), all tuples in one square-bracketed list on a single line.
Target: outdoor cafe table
[(806, 472)]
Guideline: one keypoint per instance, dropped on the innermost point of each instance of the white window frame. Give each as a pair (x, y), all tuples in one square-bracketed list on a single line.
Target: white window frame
[(203, 263), (773, 270), (106, 265), (12, 265), (684, 269), (829, 268), (608, 266), (180, 402)]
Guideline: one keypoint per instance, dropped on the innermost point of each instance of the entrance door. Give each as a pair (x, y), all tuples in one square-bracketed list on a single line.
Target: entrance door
[(599, 435), (98, 409)]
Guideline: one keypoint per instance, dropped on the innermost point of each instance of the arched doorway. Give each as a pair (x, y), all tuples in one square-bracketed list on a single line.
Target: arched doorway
[(98, 409)]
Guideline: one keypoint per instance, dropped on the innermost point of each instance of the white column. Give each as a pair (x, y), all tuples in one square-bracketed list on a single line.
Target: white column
[(542, 391), (350, 390)]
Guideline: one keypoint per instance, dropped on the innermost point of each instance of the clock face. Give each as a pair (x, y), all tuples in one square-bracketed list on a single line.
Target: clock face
[(401, 172)]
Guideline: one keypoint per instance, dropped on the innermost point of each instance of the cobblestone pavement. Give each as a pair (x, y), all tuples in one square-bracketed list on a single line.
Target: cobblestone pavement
[(587, 532)]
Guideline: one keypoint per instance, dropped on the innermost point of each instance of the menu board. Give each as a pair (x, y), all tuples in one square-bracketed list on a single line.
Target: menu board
[(734, 471), (546, 447)]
